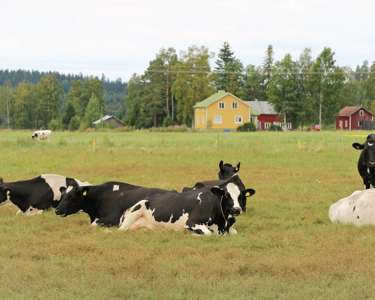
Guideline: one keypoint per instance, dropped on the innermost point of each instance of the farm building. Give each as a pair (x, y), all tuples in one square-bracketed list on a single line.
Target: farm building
[(263, 115), (354, 118), (108, 121), (221, 110)]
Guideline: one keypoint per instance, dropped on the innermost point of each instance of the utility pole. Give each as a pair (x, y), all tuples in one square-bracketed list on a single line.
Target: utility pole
[(8, 120), (167, 91)]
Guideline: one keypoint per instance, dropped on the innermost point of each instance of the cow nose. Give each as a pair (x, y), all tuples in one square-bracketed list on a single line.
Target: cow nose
[(235, 211)]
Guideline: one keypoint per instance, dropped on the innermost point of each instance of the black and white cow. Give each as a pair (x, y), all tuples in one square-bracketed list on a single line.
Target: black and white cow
[(366, 161), (104, 203), (204, 211), (35, 195)]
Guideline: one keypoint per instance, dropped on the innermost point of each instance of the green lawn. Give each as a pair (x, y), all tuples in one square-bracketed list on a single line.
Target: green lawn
[(286, 247)]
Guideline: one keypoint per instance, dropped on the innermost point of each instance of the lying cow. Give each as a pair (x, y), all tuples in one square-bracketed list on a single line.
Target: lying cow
[(35, 195), (357, 209), (204, 211), (366, 161), (41, 134), (226, 171), (104, 203)]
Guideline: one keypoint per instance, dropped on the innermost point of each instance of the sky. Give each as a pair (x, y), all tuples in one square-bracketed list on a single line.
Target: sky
[(118, 38)]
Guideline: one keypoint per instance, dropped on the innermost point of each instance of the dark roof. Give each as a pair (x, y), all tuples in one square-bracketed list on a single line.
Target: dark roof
[(349, 110)]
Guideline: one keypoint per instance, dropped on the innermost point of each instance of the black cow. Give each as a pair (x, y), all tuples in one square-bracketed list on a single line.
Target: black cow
[(226, 171), (35, 195), (104, 203), (366, 161), (204, 211)]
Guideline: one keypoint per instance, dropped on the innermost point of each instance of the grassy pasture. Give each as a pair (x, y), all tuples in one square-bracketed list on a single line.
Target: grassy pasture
[(286, 247)]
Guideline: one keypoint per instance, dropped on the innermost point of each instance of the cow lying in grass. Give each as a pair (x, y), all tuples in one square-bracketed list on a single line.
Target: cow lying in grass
[(130, 207), (35, 195), (366, 161), (357, 209), (41, 134)]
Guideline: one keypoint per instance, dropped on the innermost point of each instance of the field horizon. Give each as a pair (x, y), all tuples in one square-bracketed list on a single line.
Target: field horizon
[(286, 247)]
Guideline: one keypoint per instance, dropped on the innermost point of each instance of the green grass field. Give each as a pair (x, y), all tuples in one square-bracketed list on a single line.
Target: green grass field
[(286, 247)]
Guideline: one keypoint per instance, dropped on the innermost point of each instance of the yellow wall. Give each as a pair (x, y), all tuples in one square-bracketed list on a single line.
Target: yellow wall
[(227, 114)]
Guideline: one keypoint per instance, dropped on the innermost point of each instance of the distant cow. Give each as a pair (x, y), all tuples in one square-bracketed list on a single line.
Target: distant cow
[(204, 211), (357, 209), (41, 134), (366, 161), (35, 195), (226, 170), (104, 203)]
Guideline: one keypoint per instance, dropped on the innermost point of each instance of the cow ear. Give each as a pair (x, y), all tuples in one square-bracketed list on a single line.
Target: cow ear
[(218, 191), (221, 163), (198, 185), (237, 168), (62, 189), (71, 182), (248, 192), (358, 146)]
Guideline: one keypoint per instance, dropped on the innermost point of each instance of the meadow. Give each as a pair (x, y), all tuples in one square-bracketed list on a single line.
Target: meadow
[(286, 247)]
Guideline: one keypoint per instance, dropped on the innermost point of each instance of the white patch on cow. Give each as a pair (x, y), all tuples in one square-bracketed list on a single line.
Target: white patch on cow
[(368, 171), (8, 195), (68, 189), (357, 209), (199, 197), (31, 211), (370, 144), (234, 193), (116, 187), (94, 223), (232, 230), (203, 228), (214, 228), (144, 217)]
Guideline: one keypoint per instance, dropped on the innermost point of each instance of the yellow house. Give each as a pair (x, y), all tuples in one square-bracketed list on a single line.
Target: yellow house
[(221, 110)]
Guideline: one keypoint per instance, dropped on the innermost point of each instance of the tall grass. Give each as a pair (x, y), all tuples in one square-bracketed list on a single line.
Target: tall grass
[(286, 247)]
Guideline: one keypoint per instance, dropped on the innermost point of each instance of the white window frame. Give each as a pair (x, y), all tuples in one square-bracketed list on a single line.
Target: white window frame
[(267, 125), (236, 117), (345, 123), (221, 105), (218, 119), (235, 105)]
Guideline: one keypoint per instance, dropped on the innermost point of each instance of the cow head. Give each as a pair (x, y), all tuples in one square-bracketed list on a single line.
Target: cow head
[(368, 150), (72, 200), (227, 170), (233, 195)]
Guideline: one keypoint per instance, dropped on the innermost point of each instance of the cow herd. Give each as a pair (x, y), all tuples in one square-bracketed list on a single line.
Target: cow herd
[(359, 207), (209, 207)]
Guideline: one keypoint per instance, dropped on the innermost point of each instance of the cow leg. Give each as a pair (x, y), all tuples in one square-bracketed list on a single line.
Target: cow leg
[(131, 215)]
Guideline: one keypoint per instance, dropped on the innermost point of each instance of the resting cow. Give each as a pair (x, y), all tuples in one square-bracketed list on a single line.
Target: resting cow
[(104, 203), (41, 134), (366, 161), (204, 211), (35, 195), (357, 209)]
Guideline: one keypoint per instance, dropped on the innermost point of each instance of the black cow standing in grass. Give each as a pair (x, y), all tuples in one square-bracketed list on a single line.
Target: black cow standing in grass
[(35, 195), (366, 161), (104, 203)]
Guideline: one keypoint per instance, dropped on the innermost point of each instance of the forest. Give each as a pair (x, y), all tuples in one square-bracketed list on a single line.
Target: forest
[(305, 90)]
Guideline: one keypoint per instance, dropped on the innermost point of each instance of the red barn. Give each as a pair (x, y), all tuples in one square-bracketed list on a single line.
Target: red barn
[(263, 115), (353, 117)]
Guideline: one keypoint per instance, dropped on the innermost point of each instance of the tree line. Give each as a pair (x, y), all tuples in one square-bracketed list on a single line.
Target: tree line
[(31, 99), (305, 90)]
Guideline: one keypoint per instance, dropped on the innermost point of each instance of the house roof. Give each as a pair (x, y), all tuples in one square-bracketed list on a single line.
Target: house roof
[(261, 108), (349, 110), (105, 118), (213, 98)]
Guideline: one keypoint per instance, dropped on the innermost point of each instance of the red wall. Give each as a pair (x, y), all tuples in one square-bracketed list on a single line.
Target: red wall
[(356, 118), (262, 119)]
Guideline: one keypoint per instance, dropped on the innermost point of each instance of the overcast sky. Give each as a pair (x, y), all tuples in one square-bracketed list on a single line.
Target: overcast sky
[(119, 37)]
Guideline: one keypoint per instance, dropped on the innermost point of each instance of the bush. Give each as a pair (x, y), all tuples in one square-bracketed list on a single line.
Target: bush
[(167, 122), (274, 127), (54, 124), (74, 123), (247, 127)]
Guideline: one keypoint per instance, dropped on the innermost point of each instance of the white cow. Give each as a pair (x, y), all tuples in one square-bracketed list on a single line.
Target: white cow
[(41, 134), (357, 209)]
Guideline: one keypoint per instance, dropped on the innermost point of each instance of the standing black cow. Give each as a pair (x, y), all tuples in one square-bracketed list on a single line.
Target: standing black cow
[(35, 195), (204, 211), (104, 203), (366, 161)]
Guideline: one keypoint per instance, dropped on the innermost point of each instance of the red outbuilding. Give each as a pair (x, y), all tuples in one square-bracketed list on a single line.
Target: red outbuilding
[(354, 118)]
